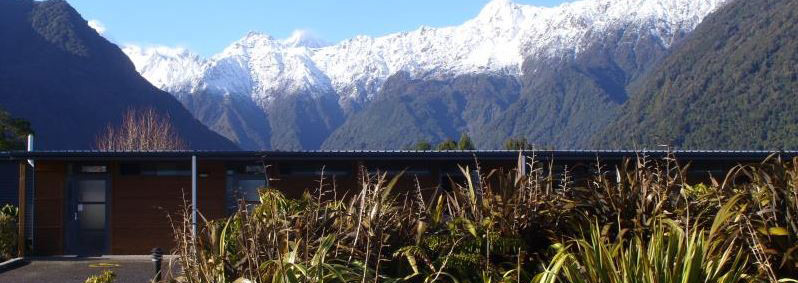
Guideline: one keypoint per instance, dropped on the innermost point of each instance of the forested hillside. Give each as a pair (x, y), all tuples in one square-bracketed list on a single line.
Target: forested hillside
[(71, 83), (732, 84)]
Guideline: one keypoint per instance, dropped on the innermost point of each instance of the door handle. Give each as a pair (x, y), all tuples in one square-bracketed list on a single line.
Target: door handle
[(78, 210)]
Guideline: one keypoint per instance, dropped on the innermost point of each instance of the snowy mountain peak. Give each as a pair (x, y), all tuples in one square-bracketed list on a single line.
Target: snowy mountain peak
[(254, 40), (167, 68), (497, 40), (255, 36), (500, 9), (304, 38)]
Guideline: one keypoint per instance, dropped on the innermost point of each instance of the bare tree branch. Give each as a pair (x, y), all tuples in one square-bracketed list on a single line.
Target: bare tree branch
[(141, 129)]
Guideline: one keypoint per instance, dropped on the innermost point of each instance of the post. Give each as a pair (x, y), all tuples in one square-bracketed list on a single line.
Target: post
[(32, 205), (157, 256), (21, 211), (194, 195)]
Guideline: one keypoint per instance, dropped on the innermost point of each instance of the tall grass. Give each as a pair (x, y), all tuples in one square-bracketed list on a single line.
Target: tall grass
[(640, 221)]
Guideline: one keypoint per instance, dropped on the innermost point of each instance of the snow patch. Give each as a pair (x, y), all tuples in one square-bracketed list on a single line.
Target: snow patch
[(97, 26), (304, 38), (497, 40)]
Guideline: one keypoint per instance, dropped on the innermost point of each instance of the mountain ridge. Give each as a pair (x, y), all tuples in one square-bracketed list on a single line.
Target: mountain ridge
[(500, 41), (497, 40), (730, 85)]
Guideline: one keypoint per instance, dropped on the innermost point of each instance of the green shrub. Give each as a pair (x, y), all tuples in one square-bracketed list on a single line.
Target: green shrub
[(107, 276), (8, 232), (644, 223), (670, 255)]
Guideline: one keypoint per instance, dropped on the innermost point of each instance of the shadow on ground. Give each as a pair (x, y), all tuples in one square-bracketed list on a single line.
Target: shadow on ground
[(128, 269)]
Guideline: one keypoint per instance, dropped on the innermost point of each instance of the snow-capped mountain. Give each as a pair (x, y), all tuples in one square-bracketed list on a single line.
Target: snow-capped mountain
[(170, 69), (497, 40), (324, 84), (304, 38)]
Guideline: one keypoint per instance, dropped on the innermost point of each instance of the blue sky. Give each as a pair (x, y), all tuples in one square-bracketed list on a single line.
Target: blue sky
[(207, 26)]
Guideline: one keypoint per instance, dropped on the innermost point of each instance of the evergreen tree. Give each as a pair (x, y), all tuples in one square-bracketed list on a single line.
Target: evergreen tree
[(465, 142), (517, 144), (13, 132), (447, 144), (421, 145)]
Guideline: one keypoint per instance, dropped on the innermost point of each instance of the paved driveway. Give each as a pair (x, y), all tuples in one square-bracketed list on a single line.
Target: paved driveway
[(128, 269)]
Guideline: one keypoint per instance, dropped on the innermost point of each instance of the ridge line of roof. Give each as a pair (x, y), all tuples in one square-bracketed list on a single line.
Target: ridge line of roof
[(392, 151)]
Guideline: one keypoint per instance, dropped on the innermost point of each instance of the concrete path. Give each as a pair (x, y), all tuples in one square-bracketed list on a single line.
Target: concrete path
[(128, 269)]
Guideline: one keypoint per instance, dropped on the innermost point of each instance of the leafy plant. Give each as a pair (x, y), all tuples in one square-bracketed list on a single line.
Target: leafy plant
[(517, 144), (638, 221), (447, 144), (465, 142), (8, 231), (107, 276), (670, 255), (13, 132)]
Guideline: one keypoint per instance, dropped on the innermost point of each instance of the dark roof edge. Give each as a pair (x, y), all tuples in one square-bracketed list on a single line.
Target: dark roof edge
[(751, 155)]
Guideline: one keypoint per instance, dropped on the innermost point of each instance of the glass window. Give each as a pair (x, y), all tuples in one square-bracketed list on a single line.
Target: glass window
[(155, 169), (254, 169), (92, 216), (248, 189), (172, 169), (297, 170), (91, 191), (93, 169), (395, 171)]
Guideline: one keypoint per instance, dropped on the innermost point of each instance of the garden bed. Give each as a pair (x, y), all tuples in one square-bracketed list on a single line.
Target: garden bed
[(640, 220)]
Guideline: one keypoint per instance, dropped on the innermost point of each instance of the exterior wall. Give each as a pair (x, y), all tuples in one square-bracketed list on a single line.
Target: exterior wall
[(9, 182), (284, 176), (48, 218), (426, 175), (140, 205)]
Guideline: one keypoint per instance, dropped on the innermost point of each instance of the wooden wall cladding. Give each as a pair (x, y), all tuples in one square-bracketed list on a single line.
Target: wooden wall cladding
[(50, 188), (141, 206)]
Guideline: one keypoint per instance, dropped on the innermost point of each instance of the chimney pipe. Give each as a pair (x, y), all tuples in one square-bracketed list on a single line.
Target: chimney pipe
[(30, 148), (30, 142)]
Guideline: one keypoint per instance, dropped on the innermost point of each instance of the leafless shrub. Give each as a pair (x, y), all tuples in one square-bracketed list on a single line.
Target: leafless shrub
[(141, 129)]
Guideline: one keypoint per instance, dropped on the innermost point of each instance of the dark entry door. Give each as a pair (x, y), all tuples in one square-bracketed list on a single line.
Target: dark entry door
[(88, 217)]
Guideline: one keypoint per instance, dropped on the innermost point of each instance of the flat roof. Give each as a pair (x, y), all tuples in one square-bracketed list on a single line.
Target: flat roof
[(418, 155)]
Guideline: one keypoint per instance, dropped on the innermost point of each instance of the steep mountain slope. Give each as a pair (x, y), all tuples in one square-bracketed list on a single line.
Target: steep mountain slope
[(732, 84), (408, 110), (564, 102), (297, 105), (516, 42), (561, 101), (69, 82), (234, 117)]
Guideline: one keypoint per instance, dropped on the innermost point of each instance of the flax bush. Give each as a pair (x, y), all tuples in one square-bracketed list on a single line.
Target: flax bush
[(639, 221)]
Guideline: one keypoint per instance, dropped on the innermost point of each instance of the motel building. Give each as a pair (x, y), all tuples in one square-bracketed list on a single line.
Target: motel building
[(90, 203)]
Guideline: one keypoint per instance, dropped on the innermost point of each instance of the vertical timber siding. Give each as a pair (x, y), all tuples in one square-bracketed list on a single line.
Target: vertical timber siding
[(49, 208), (140, 205)]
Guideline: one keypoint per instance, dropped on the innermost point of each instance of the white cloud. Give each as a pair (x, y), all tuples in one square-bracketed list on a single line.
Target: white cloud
[(98, 26)]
